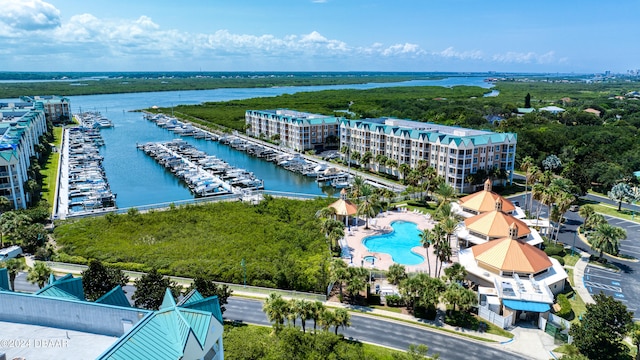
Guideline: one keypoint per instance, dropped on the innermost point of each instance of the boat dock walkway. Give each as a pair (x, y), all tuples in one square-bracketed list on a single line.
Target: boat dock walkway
[(205, 174)]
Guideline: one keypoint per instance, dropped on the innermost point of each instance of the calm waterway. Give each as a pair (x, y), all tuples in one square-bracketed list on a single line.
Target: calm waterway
[(138, 180)]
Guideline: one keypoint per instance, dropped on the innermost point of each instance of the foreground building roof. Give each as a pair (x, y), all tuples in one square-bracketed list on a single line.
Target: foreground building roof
[(511, 255)]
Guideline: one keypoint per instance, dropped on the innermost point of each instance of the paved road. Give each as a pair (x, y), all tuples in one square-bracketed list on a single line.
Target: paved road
[(372, 330), (623, 286), (388, 333)]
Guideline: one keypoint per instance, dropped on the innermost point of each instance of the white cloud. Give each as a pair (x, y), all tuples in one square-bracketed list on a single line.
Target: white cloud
[(405, 48), (525, 58), (29, 15), (96, 43), (450, 52)]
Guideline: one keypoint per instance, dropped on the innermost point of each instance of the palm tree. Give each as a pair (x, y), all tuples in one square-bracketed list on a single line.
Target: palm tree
[(428, 177), (426, 240), (366, 157), (357, 281), (396, 273), (39, 274), (357, 187), (470, 179), (449, 225), (341, 318), (14, 266), (594, 221), (607, 239), (326, 213), (619, 193), (586, 212), (404, 169), (536, 194), (327, 319), (316, 310), (445, 193), (368, 208), (339, 272), (381, 160), (563, 202), (455, 273), (276, 309), (305, 311), (438, 244), (391, 164), (5, 204)]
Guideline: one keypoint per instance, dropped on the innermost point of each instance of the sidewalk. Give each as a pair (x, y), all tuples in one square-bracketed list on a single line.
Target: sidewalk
[(578, 275)]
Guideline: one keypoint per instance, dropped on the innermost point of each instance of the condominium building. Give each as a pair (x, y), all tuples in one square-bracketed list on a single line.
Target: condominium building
[(56, 109), (21, 125), (454, 152), (296, 130)]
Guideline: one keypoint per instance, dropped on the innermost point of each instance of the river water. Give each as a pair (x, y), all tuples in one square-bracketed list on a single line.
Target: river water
[(138, 180)]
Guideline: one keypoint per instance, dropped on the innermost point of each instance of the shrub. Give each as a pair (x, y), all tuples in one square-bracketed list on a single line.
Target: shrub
[(554, 249), (565, 307), (560, 259), (394, 300)]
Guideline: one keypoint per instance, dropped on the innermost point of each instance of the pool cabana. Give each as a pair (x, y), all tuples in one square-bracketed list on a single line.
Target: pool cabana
[(344, 208)]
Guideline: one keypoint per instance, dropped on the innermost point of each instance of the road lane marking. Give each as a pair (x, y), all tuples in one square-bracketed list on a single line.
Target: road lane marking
[(603, 286)]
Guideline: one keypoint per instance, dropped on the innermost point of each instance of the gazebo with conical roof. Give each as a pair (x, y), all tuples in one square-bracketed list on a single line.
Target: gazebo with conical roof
[(344, 208), (484, 201)]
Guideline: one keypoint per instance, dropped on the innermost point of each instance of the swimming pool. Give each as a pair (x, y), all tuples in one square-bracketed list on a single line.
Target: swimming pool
[(398, 243)]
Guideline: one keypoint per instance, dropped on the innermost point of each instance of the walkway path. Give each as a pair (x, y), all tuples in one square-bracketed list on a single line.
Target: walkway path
[(578, 275)]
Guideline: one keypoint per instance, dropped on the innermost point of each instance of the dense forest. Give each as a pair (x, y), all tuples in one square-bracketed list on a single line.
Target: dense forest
[(280, 241), (596, 151)]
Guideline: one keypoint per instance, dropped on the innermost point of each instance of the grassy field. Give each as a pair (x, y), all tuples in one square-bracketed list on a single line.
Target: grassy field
[(50, 171), (280, 241)]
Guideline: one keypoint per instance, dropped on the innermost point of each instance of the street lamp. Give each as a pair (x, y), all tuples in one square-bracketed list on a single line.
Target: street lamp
[(244, 268), (573, 247)]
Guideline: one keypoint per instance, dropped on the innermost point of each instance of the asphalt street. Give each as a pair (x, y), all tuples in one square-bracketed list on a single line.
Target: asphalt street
[(387, 333)]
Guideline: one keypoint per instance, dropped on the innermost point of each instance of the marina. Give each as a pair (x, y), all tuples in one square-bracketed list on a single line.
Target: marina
[(205, 175), (294, 162), (141, 183), (84, 186)]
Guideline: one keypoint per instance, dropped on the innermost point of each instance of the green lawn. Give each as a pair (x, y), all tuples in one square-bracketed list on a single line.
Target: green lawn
[(571, 260), (50, 171)]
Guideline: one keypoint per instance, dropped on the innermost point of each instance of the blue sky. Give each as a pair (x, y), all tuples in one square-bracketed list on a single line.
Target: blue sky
[(319, 35)]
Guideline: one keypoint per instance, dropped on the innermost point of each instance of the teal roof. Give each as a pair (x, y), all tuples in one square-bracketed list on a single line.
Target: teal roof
[(4, 279), (526, 110), (210, 305), (65, 287), (191, 296), (482, 138), (168, 300), (165, 333), (115, 297)]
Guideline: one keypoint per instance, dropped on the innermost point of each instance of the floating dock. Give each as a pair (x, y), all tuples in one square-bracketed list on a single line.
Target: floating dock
[(205, 175)]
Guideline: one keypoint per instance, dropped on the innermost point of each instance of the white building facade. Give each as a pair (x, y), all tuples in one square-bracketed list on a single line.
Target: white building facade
[(20, 131), (454, 152), (296, 130)]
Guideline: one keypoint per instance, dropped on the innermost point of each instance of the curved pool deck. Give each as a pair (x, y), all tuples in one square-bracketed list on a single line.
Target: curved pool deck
[(381, 225)]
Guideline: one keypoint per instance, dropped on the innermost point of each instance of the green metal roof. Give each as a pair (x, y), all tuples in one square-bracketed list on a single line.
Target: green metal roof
[(210, 305), (192, 296), (164, 334), (66, 287), (115, 297), (4, 279)]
